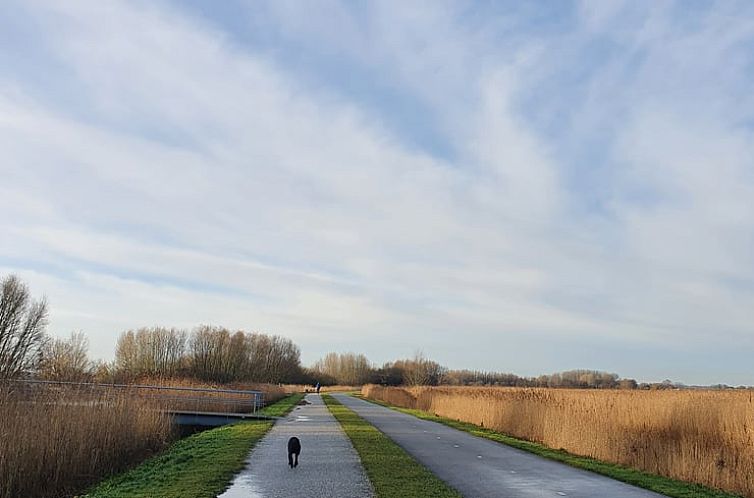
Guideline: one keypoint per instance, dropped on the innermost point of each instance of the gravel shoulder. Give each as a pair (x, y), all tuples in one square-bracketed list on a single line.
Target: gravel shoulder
[(328, 465), (482, 468)]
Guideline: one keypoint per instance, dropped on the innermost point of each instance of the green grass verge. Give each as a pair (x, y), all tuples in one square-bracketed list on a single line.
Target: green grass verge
[(199, 466), (392, 471), (283, 406), (652, 482)]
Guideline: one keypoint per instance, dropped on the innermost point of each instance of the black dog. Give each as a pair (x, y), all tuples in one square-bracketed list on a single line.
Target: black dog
[(294, 448)]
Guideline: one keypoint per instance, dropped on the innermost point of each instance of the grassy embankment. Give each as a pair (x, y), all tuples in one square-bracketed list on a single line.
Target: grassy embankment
[(393, 473), (199, 466), (664, 485)]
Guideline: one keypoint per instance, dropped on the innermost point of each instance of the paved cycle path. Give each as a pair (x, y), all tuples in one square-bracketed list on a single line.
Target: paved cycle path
[(480, 468), (328, 466)]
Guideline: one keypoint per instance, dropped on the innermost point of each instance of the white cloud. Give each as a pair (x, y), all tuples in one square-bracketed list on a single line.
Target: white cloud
[(199, 181)]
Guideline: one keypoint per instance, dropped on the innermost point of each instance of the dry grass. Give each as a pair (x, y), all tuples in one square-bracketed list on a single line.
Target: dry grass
[(705, 437), (205, 401), (57, 439), (56, 442), (273, 392)]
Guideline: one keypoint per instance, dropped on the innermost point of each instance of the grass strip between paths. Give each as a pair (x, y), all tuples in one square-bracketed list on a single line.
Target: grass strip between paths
[(652, 482), (199, 466), (392, 471)]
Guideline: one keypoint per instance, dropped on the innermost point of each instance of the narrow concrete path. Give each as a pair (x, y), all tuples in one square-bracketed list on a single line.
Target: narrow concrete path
[(481, 468), (328, 466)]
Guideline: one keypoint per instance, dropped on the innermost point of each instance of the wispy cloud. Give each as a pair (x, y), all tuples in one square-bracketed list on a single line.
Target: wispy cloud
[(527, 189)]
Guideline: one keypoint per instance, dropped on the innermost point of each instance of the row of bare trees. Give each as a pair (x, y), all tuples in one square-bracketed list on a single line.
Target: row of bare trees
[(348, 369), (217, 354), (573, 379), (579, 379), (153, 351), (355, 369), (207, 353)]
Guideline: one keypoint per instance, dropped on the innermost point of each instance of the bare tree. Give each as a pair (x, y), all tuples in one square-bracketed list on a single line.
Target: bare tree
[(420, 371), (210, 354), (151, 351), (22, 328), (66, 359), (346, 368), (272, 358)]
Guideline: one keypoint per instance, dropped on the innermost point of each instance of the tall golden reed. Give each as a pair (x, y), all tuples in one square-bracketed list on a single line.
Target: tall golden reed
[(203, 401), (55, 443), (705, 437)]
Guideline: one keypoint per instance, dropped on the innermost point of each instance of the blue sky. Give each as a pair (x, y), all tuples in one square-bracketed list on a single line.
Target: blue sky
[(512, 186)]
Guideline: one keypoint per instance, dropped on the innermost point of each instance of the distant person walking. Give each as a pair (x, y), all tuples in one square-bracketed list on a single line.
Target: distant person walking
[(317, 387)]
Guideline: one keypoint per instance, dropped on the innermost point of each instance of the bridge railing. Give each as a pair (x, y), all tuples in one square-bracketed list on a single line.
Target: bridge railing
[(167, 398)]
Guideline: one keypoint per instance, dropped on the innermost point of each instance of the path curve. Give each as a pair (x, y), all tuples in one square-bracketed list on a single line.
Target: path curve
[(482, 468), (328, 467)]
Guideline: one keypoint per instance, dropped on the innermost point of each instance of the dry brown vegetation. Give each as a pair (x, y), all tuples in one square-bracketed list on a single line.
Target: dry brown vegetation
[(55, 439), (705, 437), (272, 393), (55, 442)]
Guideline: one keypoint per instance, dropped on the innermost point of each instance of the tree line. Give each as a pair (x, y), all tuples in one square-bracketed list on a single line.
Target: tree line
[(577, 379), (353, 369), (356, 369), (216, 354), (206, 353), (210, 354)]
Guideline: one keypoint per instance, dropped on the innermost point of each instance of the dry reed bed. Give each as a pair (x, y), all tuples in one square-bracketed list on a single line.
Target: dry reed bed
[(209, 401), (272, 392), (705, 437), (55, 443)]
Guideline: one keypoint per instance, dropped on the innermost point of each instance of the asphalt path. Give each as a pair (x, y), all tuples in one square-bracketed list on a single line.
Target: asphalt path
[(480, 468), (328, 467)]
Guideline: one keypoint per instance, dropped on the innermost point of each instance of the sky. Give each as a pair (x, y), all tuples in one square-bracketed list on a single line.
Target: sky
[(526, 187)]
